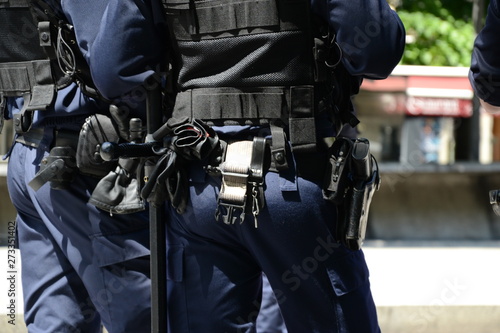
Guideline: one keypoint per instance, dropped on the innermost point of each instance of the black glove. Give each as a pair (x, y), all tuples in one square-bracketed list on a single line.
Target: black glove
[(167, 181)]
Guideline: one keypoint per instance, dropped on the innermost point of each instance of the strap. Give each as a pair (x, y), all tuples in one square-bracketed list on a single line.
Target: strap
[(33, 138), (278, 149), (302, 125), (46, 174), (231, 103), (293, 105)]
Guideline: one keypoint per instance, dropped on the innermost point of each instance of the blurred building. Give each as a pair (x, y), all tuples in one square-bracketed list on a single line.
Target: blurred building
[(435, 149)]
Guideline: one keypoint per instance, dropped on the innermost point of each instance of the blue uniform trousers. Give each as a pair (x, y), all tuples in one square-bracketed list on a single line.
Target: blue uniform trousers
[(80, 266), (214, 269)]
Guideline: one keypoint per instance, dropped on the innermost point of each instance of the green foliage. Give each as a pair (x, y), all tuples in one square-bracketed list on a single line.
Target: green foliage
[(459, 9), (437, 38)]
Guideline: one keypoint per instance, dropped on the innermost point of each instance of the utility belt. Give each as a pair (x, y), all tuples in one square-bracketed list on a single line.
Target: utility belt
[(71, 151), (351, 175), (293, 106)]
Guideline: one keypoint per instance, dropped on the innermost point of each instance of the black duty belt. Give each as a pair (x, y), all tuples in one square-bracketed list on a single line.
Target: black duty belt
[(32, 138), (293, 105)]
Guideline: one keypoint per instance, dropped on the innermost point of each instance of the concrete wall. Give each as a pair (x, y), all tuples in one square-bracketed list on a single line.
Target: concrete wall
[(435, 203)]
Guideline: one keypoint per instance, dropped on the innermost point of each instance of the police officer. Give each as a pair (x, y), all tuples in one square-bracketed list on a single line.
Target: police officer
[(484, 72), (81, 266), (236, 64), (95, 264)]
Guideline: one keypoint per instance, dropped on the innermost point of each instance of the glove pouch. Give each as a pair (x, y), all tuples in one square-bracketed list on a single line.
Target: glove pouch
[(96, 130), (118, 191)]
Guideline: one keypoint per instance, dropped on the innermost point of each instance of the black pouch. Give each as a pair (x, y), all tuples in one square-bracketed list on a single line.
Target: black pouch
[(58, 168), (118, 192), (96, 130)]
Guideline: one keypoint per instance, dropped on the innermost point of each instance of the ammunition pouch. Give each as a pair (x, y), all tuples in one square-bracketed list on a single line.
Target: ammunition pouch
[(352, 178), (96, 130)]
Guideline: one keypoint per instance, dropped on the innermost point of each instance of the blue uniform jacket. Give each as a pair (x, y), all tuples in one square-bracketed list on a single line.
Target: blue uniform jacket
[(485, 65)]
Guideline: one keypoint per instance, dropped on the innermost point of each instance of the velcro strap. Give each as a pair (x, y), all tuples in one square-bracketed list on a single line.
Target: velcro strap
[(278, 149), (231, 103), (20, 78), (254, 106), (212, 17), (302, 125), (215, 17)]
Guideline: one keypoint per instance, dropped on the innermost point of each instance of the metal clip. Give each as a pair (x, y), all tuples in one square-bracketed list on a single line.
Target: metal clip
[(255, 204)]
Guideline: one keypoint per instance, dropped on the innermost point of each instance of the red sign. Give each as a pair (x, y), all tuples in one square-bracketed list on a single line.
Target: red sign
[(445, 107)]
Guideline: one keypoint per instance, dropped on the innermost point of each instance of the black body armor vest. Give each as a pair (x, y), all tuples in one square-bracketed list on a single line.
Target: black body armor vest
[(38, 56), (245, 62)]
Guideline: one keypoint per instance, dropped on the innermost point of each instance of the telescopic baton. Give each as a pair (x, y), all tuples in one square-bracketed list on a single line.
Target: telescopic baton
[(157, 236)]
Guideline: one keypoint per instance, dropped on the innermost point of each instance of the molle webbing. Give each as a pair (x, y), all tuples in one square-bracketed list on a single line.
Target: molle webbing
[(17, 79), (268, 42), (293, 105), (193, 20), (24, 65)]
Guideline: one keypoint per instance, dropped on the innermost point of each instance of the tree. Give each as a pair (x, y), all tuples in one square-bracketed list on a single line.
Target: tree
[(440, 32)]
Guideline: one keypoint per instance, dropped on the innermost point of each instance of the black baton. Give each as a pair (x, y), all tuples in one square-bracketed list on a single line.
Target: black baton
[(157, 238)]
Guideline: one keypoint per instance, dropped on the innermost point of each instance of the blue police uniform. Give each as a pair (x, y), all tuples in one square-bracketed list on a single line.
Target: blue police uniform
[(484, 72), (81, 266), (214, 270)]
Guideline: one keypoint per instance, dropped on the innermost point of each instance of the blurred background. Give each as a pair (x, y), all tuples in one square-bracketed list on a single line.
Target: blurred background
[(433, 240)]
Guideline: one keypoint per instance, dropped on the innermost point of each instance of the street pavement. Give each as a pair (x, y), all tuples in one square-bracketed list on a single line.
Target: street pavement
[(419, 287)]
